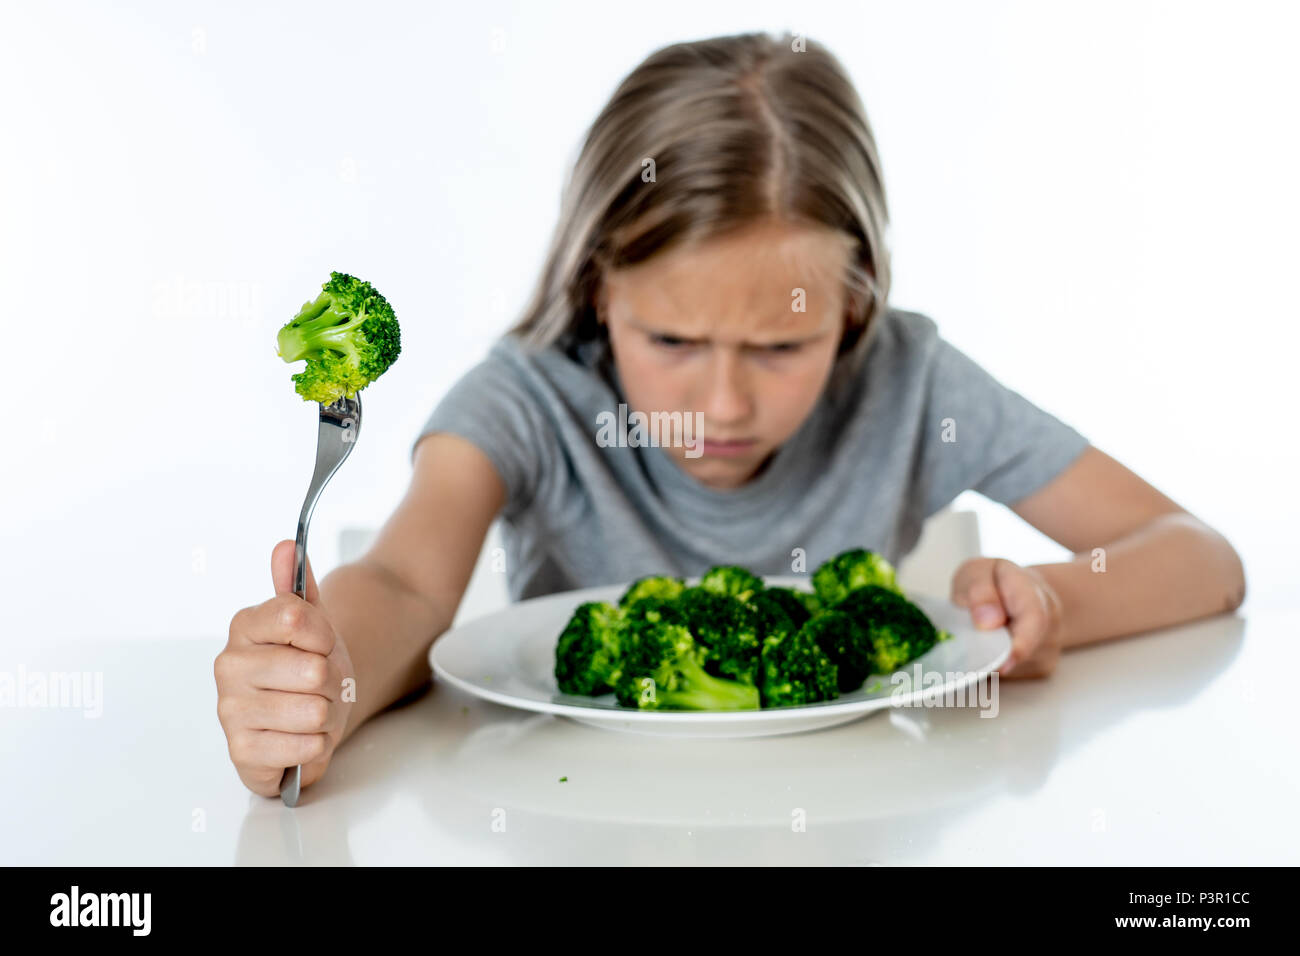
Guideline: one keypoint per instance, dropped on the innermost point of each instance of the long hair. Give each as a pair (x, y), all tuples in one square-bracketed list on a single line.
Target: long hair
[(736, 130)]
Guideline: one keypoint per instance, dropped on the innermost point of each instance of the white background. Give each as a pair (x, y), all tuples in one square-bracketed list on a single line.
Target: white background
[(1096, 201)]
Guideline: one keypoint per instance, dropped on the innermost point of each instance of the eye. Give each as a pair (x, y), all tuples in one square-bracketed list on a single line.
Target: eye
[(782, 348), (668, 341)]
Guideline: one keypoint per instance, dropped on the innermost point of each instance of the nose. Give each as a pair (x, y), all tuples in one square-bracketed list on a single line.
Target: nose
[(728, 401)]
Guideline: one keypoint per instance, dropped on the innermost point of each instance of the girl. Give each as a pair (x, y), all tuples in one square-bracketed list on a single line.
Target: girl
[(719, 259)]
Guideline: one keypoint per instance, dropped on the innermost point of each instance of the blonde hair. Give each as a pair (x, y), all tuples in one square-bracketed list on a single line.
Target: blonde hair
[(740, 129)]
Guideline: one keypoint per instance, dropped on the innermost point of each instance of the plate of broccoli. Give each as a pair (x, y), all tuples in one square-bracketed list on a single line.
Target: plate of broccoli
[(727, 654)]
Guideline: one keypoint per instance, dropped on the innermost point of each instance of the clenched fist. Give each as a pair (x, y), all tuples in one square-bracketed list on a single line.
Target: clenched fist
[(1001, 593), (280, 683)]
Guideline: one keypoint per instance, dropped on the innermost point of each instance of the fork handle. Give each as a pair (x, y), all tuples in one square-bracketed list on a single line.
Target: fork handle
[(300, 555), (349, 410), (291, 782)]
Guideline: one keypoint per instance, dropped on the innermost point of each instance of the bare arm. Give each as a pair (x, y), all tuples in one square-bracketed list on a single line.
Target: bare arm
[(390, 605), (1141, 561)]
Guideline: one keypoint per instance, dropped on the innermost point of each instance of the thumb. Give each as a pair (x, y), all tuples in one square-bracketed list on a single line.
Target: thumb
[(282, 572)]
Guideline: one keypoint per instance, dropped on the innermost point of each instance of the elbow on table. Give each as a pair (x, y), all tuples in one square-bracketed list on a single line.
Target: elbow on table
[(1234, 572), (1238, 595)]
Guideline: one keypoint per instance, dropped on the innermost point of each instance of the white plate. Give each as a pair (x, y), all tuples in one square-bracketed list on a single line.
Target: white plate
[(509, 658)]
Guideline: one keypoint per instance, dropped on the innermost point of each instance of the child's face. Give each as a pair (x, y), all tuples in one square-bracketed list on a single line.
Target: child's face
[(714, 329)]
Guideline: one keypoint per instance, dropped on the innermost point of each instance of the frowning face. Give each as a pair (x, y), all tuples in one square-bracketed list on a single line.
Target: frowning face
[(741, 329)]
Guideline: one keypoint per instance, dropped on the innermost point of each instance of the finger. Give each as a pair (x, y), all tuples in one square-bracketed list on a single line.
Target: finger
[(1026, 637), (967, 572), (313, 770), (269, 667), (1021, 596), (282, 557), (285, 619), (1029, 670), (975, 587), (274, 749), (282, 711), (1028, 613), (1020, 592), (264, 782)]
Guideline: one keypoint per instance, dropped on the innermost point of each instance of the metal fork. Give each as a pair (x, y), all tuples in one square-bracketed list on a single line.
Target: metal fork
[(340, 424)]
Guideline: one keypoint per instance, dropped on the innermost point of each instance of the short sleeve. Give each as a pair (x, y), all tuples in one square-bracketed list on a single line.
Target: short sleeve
[(979, 435), (492, 407)]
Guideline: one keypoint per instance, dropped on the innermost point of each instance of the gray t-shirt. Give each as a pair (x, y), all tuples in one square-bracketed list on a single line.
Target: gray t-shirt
[(872, 461)]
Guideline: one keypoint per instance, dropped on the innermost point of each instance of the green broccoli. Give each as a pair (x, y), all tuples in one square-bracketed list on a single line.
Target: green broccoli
[(731, 643), (655, 586), (653, 610), (729, 580), (811, 603), (349, 336), (899, 630), (663, 670), (847, 643), (796, 671), (726, 628), (588, 658), (780, 609), (836, 578)]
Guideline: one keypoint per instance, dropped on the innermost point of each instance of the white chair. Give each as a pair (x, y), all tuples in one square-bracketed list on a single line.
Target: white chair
[(947, 539)]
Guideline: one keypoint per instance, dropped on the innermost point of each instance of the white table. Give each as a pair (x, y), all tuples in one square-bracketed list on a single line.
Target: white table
[(1175, 748)]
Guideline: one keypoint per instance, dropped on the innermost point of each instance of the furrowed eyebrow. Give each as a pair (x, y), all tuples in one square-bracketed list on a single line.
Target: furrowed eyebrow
[(697, 341), (673, 335)]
